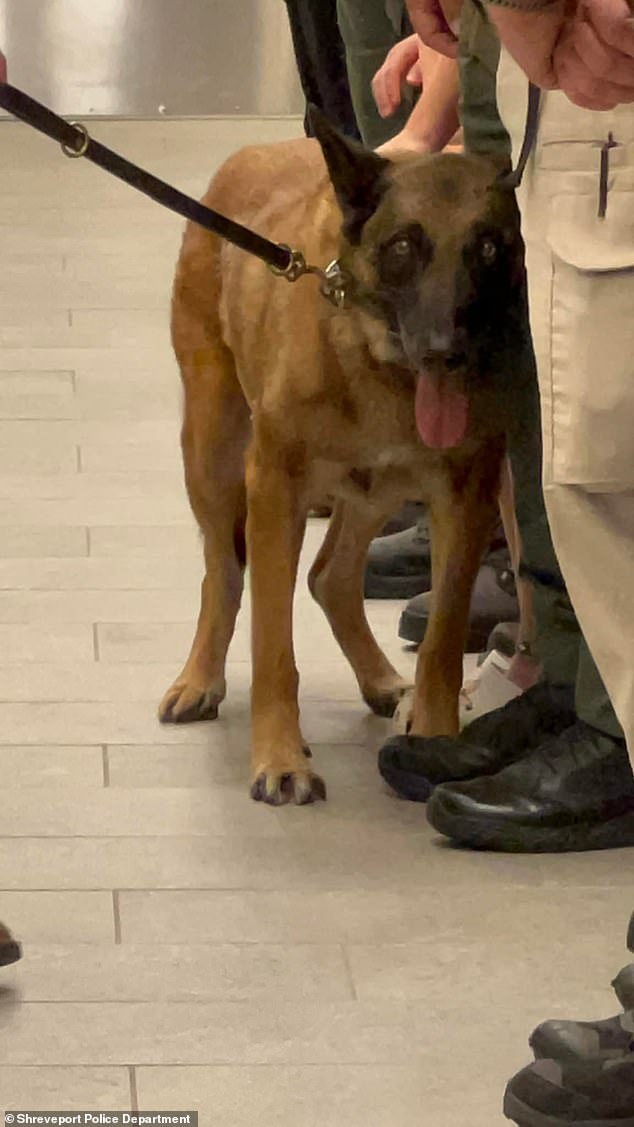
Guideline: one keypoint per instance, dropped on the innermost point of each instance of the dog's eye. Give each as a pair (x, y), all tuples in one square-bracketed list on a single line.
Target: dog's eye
[(488, 250), (401, 248), (398, 259)]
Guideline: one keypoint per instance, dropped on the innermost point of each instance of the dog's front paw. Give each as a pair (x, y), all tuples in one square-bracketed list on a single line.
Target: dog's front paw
[(278, 787), (186, 702)]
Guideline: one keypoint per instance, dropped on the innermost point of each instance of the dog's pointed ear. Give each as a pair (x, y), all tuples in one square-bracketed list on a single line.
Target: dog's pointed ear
[(358, 175)]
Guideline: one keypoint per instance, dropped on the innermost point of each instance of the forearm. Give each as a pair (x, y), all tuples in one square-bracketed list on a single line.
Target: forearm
[(434, 119), (524, 5)]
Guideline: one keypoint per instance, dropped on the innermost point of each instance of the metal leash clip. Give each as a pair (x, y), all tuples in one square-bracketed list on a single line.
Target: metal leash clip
[(333, 284), (332, 280)]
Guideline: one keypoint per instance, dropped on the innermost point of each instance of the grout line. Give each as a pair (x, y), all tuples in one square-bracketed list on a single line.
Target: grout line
[(346, 959), (73, 380), (105, 764), (88, 540), (95, 641), (117, 917), (78, 457), (70, 318), (134, 1095)]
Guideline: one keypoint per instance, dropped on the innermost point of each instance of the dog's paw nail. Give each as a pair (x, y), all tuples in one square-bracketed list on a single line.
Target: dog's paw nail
[(318, 789)]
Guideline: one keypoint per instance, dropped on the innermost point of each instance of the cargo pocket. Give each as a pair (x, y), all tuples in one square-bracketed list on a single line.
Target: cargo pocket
[(592, 333)]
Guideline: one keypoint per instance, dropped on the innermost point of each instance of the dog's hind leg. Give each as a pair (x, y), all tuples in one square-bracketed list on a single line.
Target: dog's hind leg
[(215, 431), (336, 582), (463, 515)]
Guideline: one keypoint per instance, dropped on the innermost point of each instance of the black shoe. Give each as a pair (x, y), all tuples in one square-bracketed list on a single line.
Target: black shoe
[(10, 950), (494, 600), (630, 934), (414, 765), (574, 793), (596, 1093), (623, 986), (570, 1040), (399, 566)]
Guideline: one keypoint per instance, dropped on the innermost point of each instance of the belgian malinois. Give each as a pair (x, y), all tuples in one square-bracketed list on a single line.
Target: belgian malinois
[(288, 399)]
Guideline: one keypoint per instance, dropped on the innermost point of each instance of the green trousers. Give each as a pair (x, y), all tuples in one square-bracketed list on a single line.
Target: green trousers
[(369, 28), (559, 642)]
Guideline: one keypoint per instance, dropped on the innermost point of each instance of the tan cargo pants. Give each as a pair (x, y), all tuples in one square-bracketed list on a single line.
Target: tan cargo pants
[(581, 286)]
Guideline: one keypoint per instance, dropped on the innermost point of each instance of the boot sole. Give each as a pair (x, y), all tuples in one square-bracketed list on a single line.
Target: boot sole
[(526, 1116), (504, 837)]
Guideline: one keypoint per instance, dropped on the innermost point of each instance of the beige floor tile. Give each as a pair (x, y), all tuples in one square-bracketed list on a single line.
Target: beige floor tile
[(96, 400), (284, 1032), (59, 917), (91, 723), (344, 864), (57, 456), (169, 973), (72, 642), (99, 456), (527, 972), (83, 812), (152, 487), (145, 642), (51, 767), (375, 1096), (85, 681), (62, 607), (31, 542), (114, 360), (121, 328), (150, 541), (71, 1089), (34, 327), (37, 395), (92, 510), (161, 573)]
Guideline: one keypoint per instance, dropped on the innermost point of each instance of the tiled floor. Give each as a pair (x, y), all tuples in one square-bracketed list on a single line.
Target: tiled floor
[(183, 947)]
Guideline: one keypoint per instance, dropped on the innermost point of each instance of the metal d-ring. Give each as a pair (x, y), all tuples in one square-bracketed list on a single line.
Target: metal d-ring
[(296, 267), (83, 149)]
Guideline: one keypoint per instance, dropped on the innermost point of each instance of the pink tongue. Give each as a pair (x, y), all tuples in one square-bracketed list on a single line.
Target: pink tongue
[(442, 412)]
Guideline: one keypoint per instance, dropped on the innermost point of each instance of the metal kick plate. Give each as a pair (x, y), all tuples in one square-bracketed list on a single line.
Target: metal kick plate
[(152, 58)]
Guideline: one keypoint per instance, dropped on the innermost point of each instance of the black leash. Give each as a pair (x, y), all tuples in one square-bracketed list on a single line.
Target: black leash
[(514, 179), (76, 142)]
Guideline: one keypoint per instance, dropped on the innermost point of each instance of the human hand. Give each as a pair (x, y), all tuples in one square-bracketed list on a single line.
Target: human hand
[(402, 64), (404, 143), (531, 38), (3, 68), (430, 22), (594, 57)]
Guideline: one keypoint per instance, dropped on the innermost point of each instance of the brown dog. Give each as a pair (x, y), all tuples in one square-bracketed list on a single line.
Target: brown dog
[(392, 397)]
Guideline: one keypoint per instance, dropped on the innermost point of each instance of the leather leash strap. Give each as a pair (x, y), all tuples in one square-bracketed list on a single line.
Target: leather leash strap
[(76, 142)]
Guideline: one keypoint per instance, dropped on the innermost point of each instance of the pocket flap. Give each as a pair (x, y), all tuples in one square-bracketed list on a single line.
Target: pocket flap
[(579, 237)]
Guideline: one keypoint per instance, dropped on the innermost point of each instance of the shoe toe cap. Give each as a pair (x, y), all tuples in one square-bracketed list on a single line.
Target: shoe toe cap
[(10, 952), (564, 1039)]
